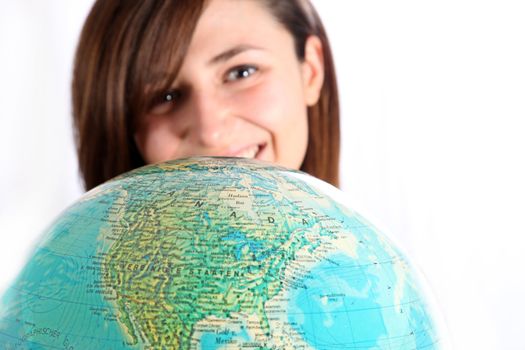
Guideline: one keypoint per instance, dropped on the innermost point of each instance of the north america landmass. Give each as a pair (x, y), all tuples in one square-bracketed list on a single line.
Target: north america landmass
[(217, 246)]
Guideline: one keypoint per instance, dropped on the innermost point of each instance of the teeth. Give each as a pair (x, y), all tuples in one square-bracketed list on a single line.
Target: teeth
[(249, 152)]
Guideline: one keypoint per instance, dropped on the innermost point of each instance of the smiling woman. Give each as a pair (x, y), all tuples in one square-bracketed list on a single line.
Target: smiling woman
[(161, 80)]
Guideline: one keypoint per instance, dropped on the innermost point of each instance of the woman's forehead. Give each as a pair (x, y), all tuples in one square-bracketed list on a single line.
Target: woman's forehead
[(224, 29), (231, 23)]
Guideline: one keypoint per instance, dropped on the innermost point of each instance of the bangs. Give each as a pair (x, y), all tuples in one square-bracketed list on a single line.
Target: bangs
[(167, 29)]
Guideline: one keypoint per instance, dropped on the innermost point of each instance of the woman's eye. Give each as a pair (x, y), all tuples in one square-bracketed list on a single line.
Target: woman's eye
[(241, 72), (169, 96), (165, 102)]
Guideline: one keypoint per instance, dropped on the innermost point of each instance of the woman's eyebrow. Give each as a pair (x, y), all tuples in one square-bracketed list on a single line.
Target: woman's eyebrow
[(226, 55)]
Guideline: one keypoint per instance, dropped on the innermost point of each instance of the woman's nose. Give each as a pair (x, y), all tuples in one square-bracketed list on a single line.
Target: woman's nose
[(209, 120)]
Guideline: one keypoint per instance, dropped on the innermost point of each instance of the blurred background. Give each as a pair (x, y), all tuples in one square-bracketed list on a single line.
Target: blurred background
[(433, 108)]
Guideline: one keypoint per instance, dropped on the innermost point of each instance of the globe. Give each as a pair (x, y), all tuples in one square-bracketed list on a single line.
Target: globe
[(215, 253)]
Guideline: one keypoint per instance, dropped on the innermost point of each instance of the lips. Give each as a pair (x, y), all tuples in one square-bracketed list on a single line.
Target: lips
[(250, 152)]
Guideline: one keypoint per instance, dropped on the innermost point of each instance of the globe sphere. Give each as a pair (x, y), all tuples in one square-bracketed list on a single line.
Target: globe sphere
[(215, 253)]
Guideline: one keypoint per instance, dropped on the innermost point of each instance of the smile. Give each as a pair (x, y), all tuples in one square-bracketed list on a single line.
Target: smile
[(250, 152)]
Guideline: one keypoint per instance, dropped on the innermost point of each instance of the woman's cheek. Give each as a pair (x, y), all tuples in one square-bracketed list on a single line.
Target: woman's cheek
[(263, 103), (156, 141)]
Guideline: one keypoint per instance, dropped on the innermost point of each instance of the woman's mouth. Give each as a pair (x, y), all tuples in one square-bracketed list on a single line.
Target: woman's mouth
[(250, 152)]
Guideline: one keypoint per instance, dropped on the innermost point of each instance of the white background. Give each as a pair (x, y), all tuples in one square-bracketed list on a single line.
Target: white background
[(433, 104)]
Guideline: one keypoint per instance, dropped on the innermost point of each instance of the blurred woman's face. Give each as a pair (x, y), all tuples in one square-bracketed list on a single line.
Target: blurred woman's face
[(241, 91)]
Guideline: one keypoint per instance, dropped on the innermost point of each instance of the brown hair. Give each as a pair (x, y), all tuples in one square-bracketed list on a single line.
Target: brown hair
[(125, 45)]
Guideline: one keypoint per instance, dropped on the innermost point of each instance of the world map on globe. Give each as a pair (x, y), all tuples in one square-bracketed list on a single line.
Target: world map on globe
[(215, 253)]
